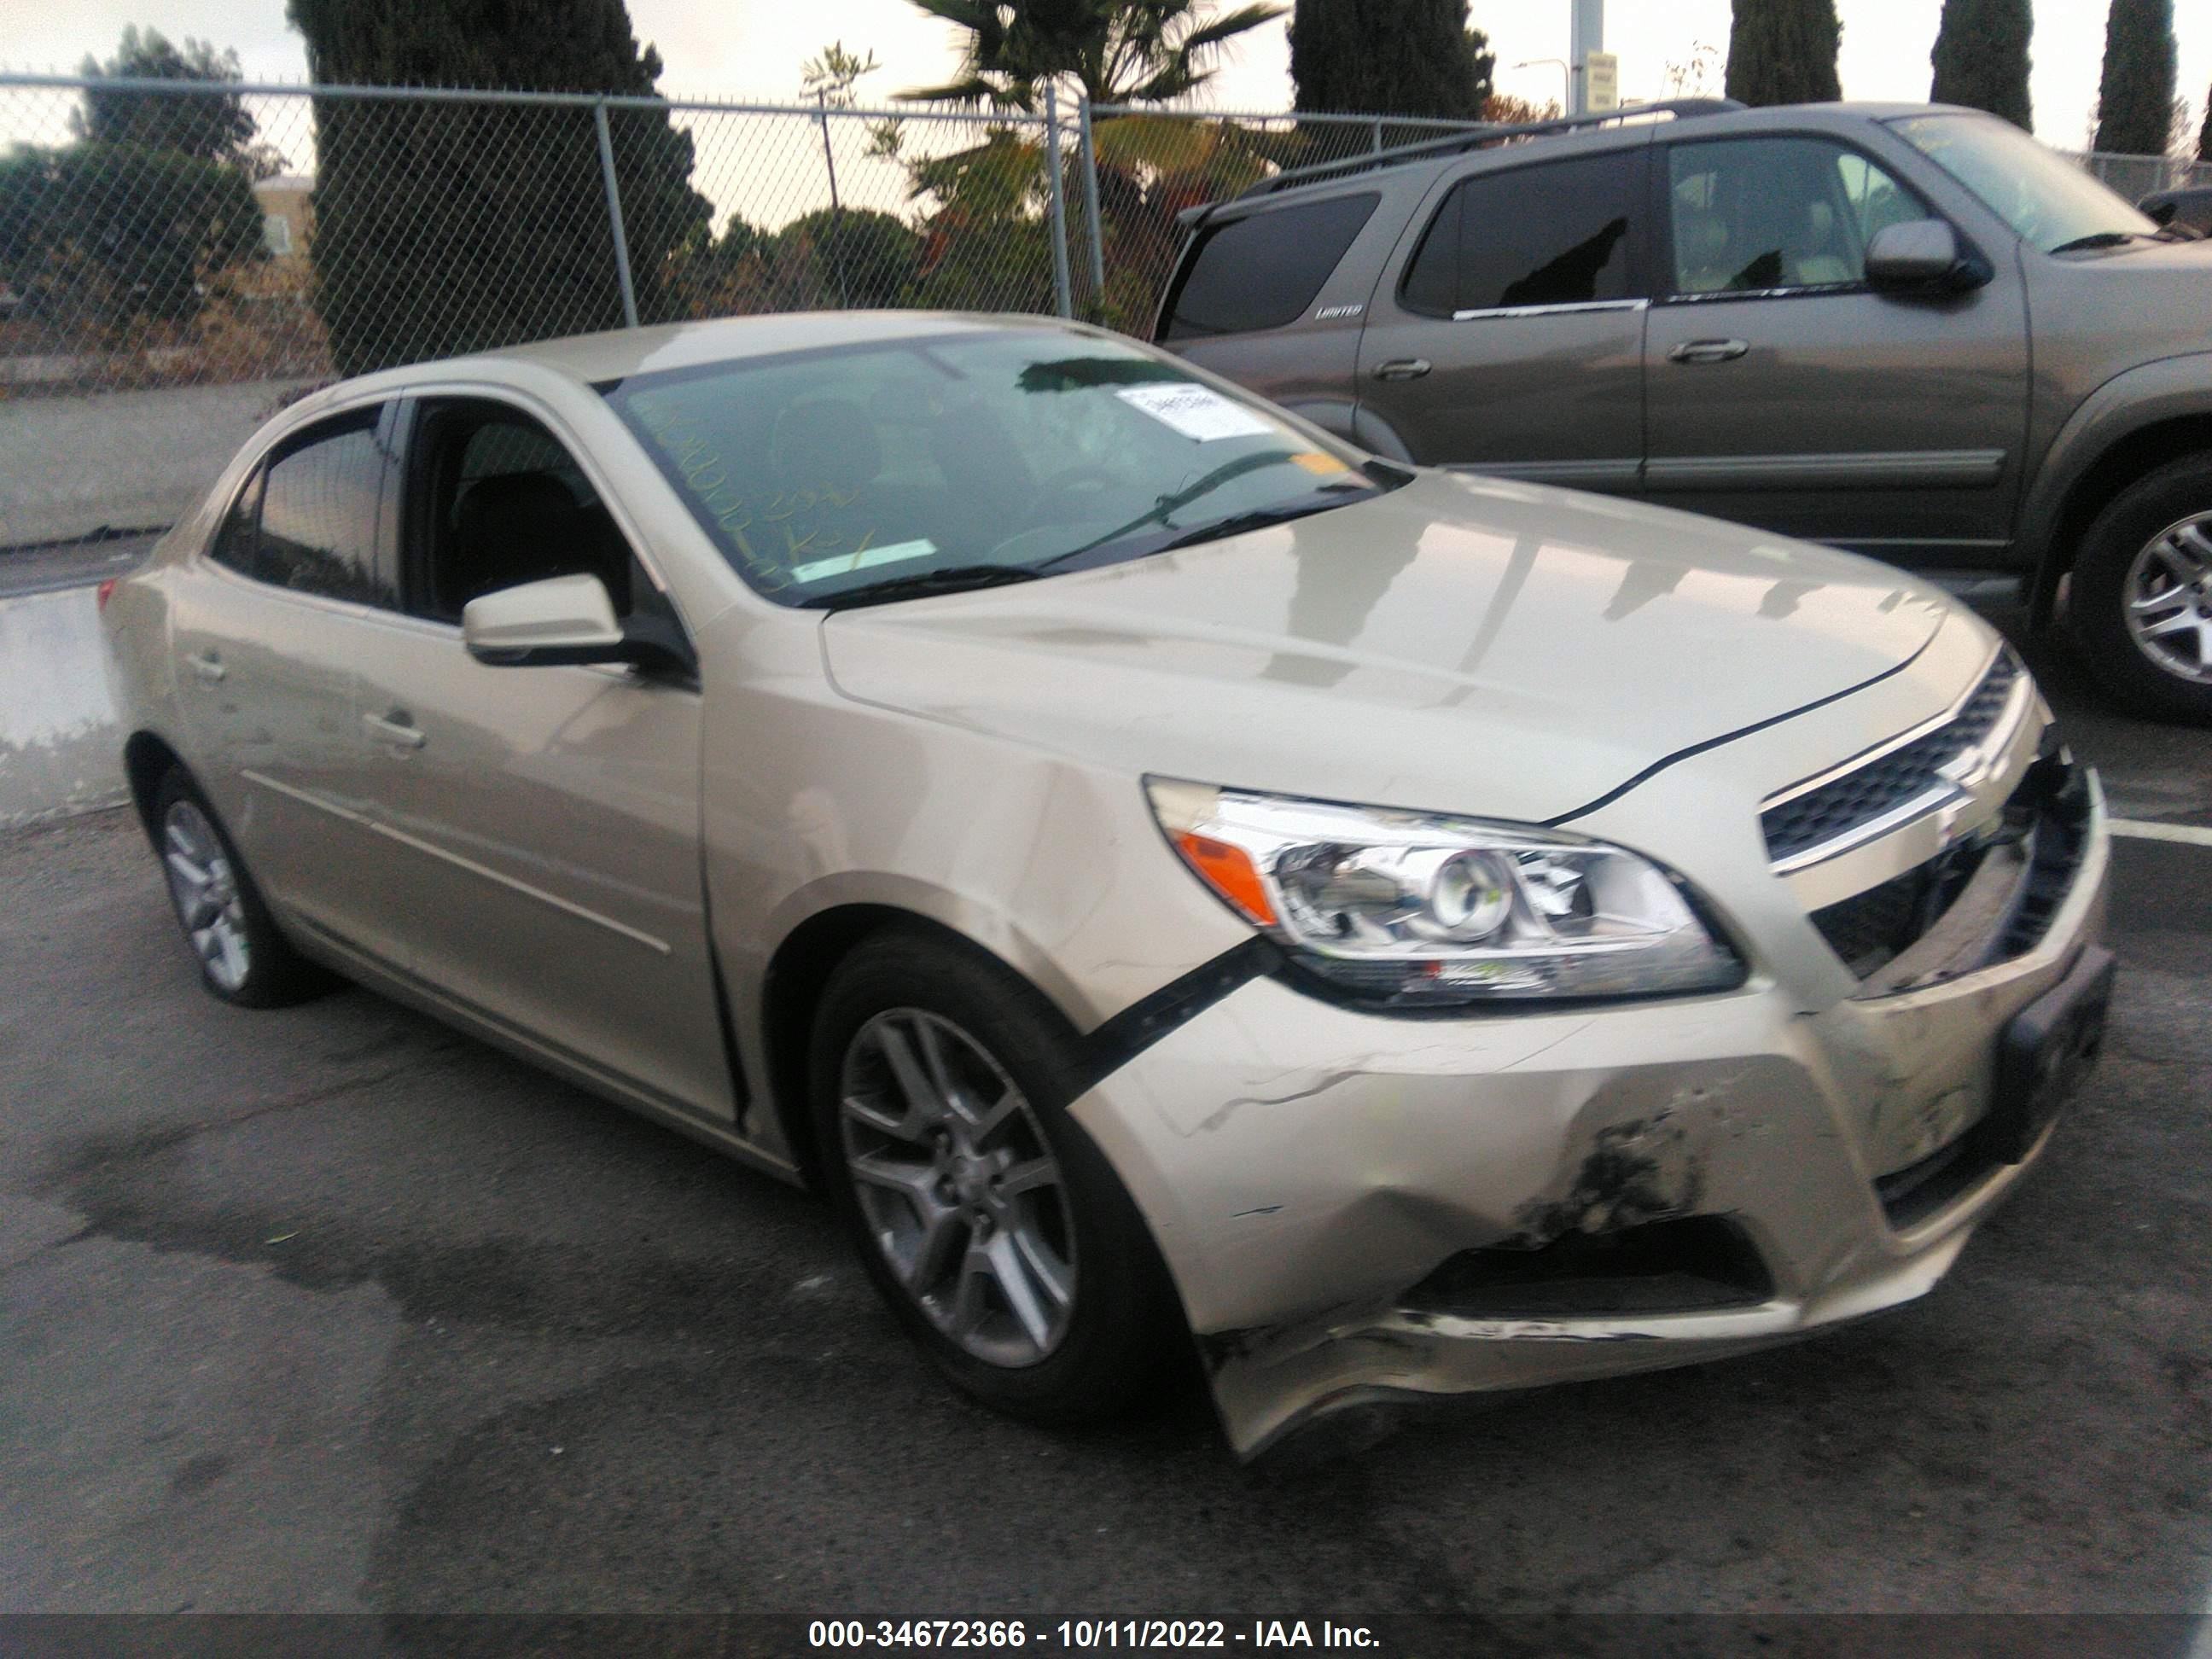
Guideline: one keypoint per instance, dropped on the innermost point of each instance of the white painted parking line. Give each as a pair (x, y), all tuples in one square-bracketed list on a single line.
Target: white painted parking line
[(2189, 834)]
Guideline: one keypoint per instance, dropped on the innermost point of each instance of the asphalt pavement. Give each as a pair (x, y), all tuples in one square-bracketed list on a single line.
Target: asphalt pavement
[(334, 1309)]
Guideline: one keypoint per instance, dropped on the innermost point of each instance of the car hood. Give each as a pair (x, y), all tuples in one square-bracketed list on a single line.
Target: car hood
[(2103, 310), (1459, 644)]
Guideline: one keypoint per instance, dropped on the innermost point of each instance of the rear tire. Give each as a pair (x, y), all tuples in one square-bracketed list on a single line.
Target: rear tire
[(994, 1228), (242, 957), (2140, 607)]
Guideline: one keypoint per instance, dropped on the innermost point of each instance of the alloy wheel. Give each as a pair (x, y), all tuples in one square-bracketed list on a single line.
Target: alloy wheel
[(2168, 596), (959, 1186), (205, 890)]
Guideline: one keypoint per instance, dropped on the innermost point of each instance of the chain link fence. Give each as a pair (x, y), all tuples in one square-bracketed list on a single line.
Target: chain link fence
[(178, 259), (2137, 176)]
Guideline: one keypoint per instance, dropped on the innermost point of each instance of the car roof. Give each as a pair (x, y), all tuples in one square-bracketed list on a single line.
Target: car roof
[(619, 353), (1354, 172)]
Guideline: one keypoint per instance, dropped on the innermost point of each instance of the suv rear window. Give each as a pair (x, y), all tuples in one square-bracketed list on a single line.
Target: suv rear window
[(1263, 270), (1559, 234)]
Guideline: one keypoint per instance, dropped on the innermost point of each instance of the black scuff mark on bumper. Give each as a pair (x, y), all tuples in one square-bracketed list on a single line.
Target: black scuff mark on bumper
[(1638, 1171), (1221, 1114)]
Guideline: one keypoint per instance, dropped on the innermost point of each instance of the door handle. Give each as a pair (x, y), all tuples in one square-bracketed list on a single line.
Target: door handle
[(1707, 351), (208, 666), (1403, 369), (395, 728)]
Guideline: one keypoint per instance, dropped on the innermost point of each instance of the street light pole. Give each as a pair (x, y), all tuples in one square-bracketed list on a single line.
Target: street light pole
[(1566, 77)]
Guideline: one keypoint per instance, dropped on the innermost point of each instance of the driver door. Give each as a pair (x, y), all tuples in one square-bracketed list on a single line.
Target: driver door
[(1781, 391), (548, 817)]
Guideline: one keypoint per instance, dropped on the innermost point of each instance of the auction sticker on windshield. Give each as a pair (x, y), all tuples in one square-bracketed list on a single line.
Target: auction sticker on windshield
[(1196, 411)]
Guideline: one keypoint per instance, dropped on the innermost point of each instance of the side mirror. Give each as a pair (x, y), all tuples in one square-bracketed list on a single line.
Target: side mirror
[(560, 621), (1922, 256)]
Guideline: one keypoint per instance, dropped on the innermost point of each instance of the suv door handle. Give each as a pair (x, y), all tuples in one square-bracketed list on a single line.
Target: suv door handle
[(208, 666), (1707, 351), (395, 728), (1402, 368)]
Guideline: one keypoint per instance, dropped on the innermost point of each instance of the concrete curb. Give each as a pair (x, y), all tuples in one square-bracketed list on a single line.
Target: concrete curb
[(72, 462)]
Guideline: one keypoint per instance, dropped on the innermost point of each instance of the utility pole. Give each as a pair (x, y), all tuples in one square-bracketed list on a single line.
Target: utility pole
[(1585, 35)]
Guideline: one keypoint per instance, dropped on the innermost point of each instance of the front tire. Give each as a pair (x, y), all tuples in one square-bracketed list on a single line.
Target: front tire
[(986, 1217), (2141, 606), (242, 957)]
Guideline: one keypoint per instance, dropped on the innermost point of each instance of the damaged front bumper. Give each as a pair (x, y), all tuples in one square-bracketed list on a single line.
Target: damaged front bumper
[(1355, 1206)]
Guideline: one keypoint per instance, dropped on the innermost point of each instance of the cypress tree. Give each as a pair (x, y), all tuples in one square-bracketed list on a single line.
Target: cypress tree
[(1981, 58), (449, 227), (2204, 135), (2135, 99), (1783, 51), (1389, 57)]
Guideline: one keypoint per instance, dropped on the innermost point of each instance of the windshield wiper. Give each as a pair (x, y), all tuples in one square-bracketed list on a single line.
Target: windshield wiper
[(1162, 510), (1259, 519), (953, 579), (2098, 239)]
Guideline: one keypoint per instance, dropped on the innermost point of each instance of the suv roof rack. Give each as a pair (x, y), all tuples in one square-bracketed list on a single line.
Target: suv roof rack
[(1475, 137)]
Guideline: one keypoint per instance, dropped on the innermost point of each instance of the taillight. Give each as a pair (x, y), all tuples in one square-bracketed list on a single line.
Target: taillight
[(104, 592)]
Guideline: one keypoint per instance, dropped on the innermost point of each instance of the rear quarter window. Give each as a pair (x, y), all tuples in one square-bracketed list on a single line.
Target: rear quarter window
[(1263, 270)]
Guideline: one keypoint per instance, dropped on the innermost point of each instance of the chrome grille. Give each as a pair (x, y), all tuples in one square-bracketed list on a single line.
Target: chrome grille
[(1889, 781)]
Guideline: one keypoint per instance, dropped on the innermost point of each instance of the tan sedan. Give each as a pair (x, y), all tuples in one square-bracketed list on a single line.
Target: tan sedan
[(1161, 872)]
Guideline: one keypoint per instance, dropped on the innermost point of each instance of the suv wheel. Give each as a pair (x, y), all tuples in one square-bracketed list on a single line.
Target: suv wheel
[(242, 957), (986, 1217), (2142, 603)]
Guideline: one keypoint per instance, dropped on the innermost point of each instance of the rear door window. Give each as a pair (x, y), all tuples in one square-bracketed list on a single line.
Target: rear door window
[(1563, 233), (1263, 270), (319, 495), (241, 527)]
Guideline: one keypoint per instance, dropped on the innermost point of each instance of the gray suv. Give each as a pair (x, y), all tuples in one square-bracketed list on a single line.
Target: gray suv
[(1908, 329)]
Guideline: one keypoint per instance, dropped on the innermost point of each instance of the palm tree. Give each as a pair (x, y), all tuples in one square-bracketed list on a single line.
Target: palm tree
[(1108, 52), (1100, 52)]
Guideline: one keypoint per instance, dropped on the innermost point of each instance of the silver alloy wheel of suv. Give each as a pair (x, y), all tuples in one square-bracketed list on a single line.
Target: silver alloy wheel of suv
[(959, 1185), (206, 892), (2169, 599)]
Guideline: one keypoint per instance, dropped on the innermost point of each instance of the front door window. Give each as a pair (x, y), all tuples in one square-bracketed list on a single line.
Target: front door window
[(1762, 215)]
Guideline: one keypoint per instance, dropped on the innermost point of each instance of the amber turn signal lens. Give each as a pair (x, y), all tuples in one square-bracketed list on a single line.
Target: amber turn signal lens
[(1231, 873)]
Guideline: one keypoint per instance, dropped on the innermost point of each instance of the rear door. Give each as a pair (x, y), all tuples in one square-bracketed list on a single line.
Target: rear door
[(1782, 391), (267, 632), (1507, 335), (1273, 299), (543, 822)]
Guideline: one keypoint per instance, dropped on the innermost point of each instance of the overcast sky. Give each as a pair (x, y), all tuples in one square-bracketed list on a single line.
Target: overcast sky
[(753, 48)]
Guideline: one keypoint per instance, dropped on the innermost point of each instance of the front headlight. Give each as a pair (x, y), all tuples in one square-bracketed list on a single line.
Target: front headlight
[(1412, 909)]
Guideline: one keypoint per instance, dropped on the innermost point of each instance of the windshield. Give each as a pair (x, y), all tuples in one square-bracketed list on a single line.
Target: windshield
[(962, 459), (2045, 197)]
